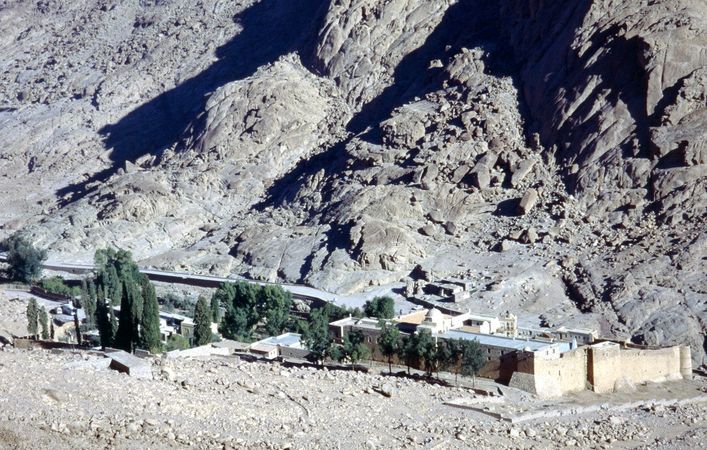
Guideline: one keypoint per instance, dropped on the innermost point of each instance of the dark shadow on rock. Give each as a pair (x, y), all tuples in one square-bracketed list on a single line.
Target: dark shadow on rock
[(285, 189), (270, 29), (467, 24), (508, 208)]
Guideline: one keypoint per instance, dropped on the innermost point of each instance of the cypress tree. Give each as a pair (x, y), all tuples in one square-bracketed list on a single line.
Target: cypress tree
[(32, 317), (92, 293), (215, 309), (136, 309), (104, 313), (84, 295), (389, 341), (88, 302), (202, 322), (114, 288), (113, 324), (150, 323), (77, 326), (44, 322), (51, 330), (124, 335)]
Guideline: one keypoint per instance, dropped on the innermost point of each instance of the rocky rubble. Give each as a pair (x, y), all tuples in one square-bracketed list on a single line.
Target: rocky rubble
[(65, 400), (343, 144)]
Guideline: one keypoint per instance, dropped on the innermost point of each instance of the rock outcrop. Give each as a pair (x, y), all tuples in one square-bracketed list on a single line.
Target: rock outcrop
[(342, 144)]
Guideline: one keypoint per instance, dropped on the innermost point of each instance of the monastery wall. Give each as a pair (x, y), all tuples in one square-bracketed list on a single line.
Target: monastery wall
[(609, 364)]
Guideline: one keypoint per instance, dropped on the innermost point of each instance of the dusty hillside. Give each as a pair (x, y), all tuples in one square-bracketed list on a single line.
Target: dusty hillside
[(344, 143), (74, 401)]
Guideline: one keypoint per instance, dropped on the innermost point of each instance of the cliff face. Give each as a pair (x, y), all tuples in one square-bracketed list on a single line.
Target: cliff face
[(618, 91), (554, 154)]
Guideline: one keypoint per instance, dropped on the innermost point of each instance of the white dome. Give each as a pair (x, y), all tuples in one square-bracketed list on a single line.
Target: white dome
[(434, 315)]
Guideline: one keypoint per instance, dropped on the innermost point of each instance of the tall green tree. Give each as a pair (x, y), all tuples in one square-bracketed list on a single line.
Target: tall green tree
[(215, 309), (88, 302), (380, 307), (23, 259), (444, 356), (315, 335), (235, 325), (455, 347), (354, 348), (44, 322), (389, 342), (275, 304), (77, 327), (113, 321), (202, 322), (103, 320), (32, 317), (427, 349), (130, 313), (472, 358), (150, 319), (408, 351)]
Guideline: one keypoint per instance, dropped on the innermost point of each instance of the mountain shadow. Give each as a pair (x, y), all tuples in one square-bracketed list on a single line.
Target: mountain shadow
[(270, 29), (466, 24)]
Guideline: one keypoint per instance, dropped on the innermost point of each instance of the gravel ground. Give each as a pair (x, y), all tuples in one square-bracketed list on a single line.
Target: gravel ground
[(64, 400)]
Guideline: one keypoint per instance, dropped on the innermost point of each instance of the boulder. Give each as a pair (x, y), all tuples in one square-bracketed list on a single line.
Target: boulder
[(528, 201)]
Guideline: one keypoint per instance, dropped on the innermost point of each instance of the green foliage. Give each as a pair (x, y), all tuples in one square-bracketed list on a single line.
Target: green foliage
[(77, 327), (427, 350), (24, 260), (315, 335), (248, 306), (172, 302), (215, 309), (150, 320), (114, 268), (88, 302), (120, 280), (56, 285), (380, 307), (177, 342), (389, 341), (354, 349), (131, 307), (419, 347), (104, 313), (235, 325), (472, 358), (275, 304), (32, 317), (44, 322), (444, 355), (202, 322)]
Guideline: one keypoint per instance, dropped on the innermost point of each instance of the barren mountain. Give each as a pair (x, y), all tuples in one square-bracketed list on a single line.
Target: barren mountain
[(544, 149)]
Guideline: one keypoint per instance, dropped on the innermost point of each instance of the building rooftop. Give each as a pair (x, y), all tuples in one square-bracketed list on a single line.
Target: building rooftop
[(502, 341), (284, 340), (371, 324)]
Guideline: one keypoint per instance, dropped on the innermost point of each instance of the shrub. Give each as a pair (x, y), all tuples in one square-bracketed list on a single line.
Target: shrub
[(24, 260)]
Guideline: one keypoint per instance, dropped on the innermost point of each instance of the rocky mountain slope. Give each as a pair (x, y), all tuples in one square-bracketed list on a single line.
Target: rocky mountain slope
[(346, 143)]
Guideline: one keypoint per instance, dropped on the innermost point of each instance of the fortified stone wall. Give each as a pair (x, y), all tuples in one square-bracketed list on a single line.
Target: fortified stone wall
[(558, 376), (549, 377), (609, 365)]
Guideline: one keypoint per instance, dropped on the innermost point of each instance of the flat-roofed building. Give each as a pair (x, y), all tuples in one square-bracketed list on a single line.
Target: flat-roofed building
[(287, 345)]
